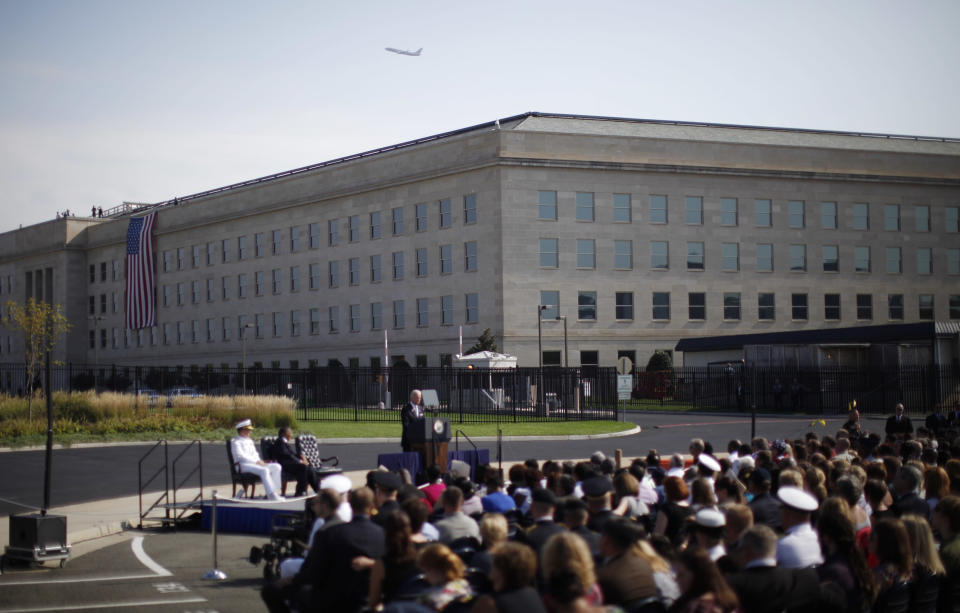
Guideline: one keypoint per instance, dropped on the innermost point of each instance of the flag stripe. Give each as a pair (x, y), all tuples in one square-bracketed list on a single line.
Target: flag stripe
[(141, 311)]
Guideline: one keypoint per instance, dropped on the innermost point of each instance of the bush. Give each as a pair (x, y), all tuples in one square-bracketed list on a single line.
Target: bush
[(660, 360)]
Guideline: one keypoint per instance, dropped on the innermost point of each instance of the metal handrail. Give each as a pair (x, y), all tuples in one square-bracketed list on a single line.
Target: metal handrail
[(456, 440), (141, 486), (197, 469)]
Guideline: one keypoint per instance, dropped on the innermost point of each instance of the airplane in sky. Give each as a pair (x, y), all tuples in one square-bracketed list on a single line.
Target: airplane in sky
[(404, 52)]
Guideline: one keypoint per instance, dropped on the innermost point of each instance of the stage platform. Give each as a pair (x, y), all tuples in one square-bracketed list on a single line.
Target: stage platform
[(246, 516)]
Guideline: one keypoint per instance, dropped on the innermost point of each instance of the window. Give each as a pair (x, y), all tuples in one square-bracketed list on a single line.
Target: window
[(314, 230), (398, 307), (623, 255), (258, 283), (661, 305), (730, 257), (241, 247), (766, 307), (728, 212), (446, 213), (799, 307), (731, 306), (314, 272), (294, 278), (334, 319), (924, 261), (211, 329), (446, 310), (181, 334), (831, 307), (831, 258), (354, 317), (295, 243), (587, 306), (954, 304), (861, 259), (828, 215), (694, 256), (550, 300), (952, 219), (473, 308), (314, 321), (225, 328), (470, 209), (103, 265), (764, 257), (423, 316), (549, 253), (353, 268), (553, 358), (893, 260), (696, 305), (277, 281), (334, 274), (624, 306), (242, 285), (798, 258), (224, 251), (376, 315), (375, 268), (353, 228), (762, 213), (694, 210), (375, 230), (921, 218), (895, 306), (397, 216), (446, 259), (658, 209), (547, 205), (166, 299), (224, 289), (891, 217), (103, 300), (398, 265), (422, 262), (181, 258), (659, 255), (586, 253), (796, 213), (333, 232), (167, 334), (861, 216), (925, 304), (865, 307), (622, 208), (277, 236), (167, 266), (194, 331), (953, 261), (295, 323), (585, 206), (470, 256), (421, 217), (115, 298), (258, 244), (194, 259), (93, 268), (181, 295)]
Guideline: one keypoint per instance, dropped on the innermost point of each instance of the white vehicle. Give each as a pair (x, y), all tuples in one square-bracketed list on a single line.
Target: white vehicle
[(182, 392), (404, 51)]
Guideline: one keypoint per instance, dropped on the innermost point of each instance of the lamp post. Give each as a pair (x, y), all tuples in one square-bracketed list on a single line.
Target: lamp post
[(540, 309), (566, 357), (96, 319), (243, 355)]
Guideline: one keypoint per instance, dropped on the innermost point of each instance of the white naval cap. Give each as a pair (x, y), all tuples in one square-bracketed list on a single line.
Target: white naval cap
[(710, 518), (245, 423), (798, 499), (708, 462), (340, 483)]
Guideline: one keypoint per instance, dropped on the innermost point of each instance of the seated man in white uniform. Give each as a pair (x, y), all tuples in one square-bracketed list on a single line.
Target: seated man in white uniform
[(248, 460)]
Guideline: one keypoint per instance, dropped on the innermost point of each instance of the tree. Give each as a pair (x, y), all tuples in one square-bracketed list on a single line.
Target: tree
[(660, 360), (486, 342), (42, 324)]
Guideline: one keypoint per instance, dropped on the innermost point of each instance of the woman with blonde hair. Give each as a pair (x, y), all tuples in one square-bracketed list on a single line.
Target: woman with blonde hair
[(928, 570), (662, 572), (936, 485), (493, 531), (444, 571), (567, 554)]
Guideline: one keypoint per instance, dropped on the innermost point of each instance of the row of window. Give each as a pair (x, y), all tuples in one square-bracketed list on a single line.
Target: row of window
[(730, 214), (9, 284), (732, 306), (586, 256), (353, 319)]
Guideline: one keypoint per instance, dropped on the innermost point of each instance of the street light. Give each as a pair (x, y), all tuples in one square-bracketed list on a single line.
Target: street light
[(243, 355), (96, 319), (566, 359), (540, 309)]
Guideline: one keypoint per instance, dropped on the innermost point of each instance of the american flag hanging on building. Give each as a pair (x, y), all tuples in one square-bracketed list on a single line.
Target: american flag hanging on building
[(141, 310)]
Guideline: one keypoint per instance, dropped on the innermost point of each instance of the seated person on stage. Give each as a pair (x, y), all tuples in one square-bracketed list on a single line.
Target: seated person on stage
[(248, 460), (296, 466)]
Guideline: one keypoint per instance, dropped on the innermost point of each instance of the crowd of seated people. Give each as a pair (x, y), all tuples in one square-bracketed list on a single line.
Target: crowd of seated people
[(855, 522)]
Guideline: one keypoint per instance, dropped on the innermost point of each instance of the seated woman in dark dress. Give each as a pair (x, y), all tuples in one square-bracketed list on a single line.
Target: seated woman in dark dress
[(844, 563), (398, 566), (514, 568)]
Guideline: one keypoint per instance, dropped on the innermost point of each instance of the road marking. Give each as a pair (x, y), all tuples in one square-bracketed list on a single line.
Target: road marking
[(169, 588), (733, 421), (109, 605), (77, 580), (137, 545)]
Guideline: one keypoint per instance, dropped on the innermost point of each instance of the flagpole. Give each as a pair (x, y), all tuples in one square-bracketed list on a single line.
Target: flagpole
[(386, 369)]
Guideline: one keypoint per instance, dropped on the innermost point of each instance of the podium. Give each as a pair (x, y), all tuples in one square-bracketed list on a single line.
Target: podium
[(430, 437)]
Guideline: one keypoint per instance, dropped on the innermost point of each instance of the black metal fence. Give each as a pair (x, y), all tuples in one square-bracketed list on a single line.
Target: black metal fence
[(529, 394)]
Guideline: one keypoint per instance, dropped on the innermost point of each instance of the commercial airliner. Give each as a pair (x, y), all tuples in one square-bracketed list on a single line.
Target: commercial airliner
[(404, 52)]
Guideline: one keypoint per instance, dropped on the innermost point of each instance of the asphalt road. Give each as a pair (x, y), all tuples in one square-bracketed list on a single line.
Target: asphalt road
[(96, 473)]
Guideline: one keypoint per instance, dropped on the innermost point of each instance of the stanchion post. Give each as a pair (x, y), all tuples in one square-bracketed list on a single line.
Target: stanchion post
[(214, 574)]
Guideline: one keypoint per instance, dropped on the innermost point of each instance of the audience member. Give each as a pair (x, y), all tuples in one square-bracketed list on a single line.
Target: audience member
[(397, 567), (455, 524), (928, 570), (493, 531), (845, 564), (673, 513), (542, 512), (702, 587), (799, 547), (625, 577), (898, 424), (444, 572), (434, 485), (496, 501), (765, 507), (385, 485), (514, 568), (568, 554), (891, 544)]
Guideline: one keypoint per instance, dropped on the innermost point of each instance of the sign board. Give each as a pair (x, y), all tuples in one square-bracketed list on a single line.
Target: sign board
[(587, 388), (624, 366), (624, 387)]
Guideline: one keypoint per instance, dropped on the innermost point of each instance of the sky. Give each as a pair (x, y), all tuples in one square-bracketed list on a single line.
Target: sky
[(103, 102)]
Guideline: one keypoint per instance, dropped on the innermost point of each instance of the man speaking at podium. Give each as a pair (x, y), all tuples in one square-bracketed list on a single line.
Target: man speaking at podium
[(410, 412)]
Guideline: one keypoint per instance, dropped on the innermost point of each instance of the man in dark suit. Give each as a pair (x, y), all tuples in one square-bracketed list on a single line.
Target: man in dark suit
[(542, 509), (625, 578), (762, 587), (898, 424), (410, 412), (296, 466), (765, 507), (906, 500)]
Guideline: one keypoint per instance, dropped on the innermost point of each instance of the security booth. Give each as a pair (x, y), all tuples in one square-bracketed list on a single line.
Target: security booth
[(479, 380)]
